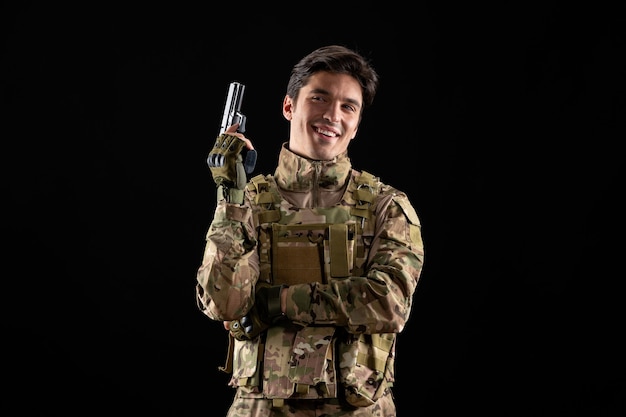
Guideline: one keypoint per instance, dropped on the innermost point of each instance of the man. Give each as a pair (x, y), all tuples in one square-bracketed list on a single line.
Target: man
[(311, 269)]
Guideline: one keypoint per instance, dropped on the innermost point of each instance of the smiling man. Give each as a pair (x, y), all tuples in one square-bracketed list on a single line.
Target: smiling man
[(312, 269), (326, 117)]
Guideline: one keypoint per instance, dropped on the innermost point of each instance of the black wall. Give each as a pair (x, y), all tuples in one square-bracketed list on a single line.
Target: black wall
[(504, 124)]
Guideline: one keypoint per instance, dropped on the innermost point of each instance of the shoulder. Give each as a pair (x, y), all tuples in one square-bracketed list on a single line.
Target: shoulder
[(382, 190), (386, 196)]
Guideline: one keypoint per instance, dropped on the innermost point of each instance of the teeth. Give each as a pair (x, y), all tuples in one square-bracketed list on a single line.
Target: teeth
[(326, 132)]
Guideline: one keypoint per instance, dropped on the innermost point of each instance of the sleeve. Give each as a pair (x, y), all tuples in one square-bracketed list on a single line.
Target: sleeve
[(381, 300), (230, 268)]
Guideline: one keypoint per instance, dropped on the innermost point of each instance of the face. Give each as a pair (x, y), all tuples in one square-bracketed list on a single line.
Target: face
[(325, 117)]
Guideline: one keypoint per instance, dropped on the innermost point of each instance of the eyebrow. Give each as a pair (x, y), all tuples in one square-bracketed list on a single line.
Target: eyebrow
[(325, 92)]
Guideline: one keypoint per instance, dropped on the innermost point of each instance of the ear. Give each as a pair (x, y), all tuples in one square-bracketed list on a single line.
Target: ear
[(287, 107)]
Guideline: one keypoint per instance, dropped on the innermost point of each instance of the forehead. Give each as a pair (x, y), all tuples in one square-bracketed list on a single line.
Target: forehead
[(336, 84)]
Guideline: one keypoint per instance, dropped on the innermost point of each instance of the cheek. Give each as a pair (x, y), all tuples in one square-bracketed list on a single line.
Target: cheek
[(352, 128)]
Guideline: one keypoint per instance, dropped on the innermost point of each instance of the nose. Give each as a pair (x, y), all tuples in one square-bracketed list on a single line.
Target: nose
[(332, 112)]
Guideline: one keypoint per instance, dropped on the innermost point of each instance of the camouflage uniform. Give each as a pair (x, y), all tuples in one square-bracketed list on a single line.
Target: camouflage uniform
[(349, 249)]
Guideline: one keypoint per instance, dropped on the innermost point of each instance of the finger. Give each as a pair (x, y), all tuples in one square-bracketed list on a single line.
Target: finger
[(227, 325), (232, 128), (247, 142), (247, 324)]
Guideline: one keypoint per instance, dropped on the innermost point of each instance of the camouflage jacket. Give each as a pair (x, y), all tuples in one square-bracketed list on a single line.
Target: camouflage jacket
[(343, 316)]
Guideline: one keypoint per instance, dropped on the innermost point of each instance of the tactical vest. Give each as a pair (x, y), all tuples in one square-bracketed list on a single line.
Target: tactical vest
[(304, 246)]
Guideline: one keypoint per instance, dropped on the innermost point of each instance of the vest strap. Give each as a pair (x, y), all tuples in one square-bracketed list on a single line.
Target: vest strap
[(269, 216), (338, 242), (302, 389)]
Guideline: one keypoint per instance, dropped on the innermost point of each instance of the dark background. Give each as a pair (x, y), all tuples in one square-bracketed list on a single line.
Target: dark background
[(504, 123)]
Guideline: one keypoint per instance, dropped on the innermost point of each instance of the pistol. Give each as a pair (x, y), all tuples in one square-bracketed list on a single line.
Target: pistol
[(232, 114), (232, 108)]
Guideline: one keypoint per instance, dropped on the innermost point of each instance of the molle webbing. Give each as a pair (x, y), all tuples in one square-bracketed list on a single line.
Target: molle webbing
[(297, 252), (381, 344), (265, 198), (363, 195)]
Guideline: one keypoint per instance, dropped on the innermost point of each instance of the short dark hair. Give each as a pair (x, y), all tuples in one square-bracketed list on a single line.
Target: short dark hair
[(335, 59)]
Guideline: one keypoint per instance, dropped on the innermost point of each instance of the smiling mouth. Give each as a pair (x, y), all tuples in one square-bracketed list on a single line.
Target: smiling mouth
[(324, 132)]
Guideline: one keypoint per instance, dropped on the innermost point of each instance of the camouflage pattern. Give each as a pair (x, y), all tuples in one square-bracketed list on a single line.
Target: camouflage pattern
[(246, 407), (336, 346)]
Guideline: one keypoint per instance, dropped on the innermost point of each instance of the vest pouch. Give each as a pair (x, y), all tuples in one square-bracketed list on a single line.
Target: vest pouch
[(365, 367), (306, 253), (297, 253), (246, 364), (312, 364), (298, 363)]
